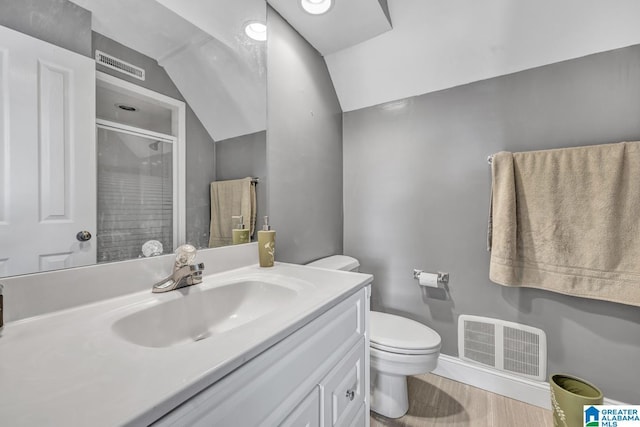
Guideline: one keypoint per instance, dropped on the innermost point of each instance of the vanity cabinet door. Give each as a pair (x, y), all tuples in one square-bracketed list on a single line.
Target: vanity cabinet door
[(361, 417), (344, 388), (307, 413)]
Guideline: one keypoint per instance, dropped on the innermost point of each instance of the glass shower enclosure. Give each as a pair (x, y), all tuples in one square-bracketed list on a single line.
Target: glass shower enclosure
[(135, 191)]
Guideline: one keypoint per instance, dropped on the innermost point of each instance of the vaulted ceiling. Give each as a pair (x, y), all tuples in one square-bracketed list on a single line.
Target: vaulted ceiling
[(201, 44), (436, 44), (376, 51)]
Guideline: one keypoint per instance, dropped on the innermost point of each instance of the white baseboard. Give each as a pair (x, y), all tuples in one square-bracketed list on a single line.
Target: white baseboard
[(529, 391)]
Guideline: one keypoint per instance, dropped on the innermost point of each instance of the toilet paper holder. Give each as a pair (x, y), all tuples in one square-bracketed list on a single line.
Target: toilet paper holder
[(443, 278)]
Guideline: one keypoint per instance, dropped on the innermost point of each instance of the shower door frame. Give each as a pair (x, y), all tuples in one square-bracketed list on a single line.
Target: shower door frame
[(153, 136), (177, 137)]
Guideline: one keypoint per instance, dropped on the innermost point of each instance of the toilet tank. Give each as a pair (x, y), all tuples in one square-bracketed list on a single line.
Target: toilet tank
[(337, 262)]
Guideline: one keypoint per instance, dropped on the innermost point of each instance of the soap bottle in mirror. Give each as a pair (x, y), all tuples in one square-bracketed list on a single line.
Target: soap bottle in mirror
[(266, 244), (240, 234)]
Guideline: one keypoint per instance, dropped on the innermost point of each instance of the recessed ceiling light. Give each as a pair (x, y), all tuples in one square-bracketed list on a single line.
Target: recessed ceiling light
[(316, 7), (256, 30)]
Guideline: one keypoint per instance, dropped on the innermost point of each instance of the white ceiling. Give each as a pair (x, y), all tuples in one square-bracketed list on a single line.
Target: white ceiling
[(222, 19), (439, 44), (202, 46), (347, 23), (433, 45)]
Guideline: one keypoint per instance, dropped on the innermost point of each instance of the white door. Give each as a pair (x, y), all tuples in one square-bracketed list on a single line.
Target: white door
[(47, 155)]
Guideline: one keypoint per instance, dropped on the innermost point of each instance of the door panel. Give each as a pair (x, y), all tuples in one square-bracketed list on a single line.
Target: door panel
[(54, 145)]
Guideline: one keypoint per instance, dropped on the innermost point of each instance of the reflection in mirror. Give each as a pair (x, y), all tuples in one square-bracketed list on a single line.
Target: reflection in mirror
[(84, 156), (133, 167)]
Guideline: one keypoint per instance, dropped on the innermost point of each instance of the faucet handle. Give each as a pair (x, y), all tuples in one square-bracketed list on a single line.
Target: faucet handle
[(185, 255)]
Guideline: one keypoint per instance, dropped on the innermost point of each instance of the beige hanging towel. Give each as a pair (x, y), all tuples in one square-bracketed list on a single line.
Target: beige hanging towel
[(568, 221), (231, 198)]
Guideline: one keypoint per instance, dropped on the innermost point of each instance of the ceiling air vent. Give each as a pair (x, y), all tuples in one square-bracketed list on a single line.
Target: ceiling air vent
[(119, 65), (507, 346)]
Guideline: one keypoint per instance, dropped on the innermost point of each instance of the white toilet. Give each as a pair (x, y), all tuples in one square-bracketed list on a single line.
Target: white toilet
[(399, 347)]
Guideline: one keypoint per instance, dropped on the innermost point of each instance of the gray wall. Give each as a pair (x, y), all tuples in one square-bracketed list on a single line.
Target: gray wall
[(156, 78), (200, 173), (200, 146), (416, 194), (244, 156), (304, 148), (59, 22)]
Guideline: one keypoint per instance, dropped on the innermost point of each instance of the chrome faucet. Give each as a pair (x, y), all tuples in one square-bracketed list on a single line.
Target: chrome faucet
[(185, 272)]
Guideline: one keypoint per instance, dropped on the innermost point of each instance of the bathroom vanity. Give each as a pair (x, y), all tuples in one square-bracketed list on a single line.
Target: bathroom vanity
[(286, 345), (316, 376)]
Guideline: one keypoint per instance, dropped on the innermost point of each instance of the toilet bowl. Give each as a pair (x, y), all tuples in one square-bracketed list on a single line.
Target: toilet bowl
[(398, 346)]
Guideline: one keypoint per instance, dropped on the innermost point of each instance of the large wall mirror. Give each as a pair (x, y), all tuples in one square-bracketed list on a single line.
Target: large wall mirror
[(115, 119)]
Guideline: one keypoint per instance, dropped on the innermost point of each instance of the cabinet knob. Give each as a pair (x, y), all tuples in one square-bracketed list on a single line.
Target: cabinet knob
[(351, 394)]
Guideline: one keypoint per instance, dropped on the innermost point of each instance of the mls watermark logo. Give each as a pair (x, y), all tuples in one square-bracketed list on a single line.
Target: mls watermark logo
[(611, 415), (591, 417)]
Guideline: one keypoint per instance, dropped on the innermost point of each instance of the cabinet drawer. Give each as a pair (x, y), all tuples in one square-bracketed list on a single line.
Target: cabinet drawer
[(307, 413), (344, 388)]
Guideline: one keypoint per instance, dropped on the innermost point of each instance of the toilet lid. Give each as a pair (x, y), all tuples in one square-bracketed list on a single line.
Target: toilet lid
[(401, 335), (336, 262)]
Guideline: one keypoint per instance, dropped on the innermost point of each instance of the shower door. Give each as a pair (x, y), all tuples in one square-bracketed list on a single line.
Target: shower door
[(136, 191)]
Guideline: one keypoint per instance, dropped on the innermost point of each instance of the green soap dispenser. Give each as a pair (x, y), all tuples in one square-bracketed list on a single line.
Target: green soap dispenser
[(240, 234), (266, 244)]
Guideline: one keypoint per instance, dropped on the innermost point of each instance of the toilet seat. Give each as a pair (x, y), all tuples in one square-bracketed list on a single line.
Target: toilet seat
[(406, 351), (400, 335)]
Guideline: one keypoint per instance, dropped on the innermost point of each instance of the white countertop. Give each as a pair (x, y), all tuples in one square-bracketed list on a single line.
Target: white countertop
[(70, 368)]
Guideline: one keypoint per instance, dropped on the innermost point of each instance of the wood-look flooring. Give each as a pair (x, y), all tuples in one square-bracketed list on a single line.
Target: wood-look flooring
[(438, 401)]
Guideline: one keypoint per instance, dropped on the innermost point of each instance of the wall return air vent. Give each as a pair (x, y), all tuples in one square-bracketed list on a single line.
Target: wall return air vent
[(506, 346), (119, 65)]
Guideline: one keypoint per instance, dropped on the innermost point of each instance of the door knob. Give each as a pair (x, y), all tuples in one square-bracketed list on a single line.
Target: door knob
[(83, 236)]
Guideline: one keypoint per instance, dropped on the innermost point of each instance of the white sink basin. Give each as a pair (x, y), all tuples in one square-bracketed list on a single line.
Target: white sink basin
[(76, 361), (196, 313)]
